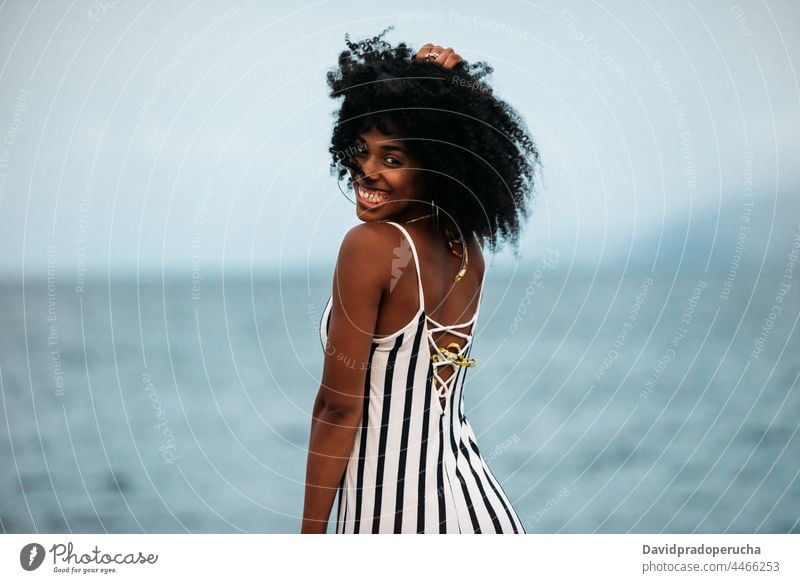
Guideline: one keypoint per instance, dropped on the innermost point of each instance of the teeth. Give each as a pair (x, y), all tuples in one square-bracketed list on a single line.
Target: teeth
[(372, 195)]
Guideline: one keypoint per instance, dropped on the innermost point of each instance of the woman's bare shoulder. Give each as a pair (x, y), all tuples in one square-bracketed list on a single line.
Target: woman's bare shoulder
[(375, 235), (368, 249)]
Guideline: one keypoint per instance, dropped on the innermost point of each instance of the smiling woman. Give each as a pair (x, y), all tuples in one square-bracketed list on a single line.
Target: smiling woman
[(439, 168)]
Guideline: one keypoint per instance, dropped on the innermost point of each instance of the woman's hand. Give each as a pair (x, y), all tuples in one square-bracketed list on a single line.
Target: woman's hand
[(447, 58)]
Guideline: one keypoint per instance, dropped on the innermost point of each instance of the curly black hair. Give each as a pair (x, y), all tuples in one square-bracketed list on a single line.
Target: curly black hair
[(478, 155)]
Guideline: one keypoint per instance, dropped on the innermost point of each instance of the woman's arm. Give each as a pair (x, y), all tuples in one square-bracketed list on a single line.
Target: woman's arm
[(358, 283)]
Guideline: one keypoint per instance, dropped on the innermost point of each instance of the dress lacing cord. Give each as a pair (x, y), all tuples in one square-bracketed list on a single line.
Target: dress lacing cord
[(451, 355)]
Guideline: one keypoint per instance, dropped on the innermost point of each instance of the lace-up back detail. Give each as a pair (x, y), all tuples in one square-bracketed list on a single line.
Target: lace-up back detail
[(445, 355)]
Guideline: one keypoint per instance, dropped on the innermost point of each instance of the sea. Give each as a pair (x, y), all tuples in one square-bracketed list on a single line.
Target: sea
[(604, 401)]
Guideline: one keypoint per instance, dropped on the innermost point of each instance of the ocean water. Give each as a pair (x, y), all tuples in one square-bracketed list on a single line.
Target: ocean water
[(604, 402)]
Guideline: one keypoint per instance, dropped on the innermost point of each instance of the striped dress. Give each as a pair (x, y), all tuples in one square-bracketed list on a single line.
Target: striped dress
[(415, 466)]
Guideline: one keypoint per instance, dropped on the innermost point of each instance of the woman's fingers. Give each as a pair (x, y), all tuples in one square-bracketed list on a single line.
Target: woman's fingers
[(442, 58), (453, 60), (446, 57), (425, 49)]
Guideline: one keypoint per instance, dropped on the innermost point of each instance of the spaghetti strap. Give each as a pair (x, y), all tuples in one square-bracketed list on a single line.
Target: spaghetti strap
[(396, 266)]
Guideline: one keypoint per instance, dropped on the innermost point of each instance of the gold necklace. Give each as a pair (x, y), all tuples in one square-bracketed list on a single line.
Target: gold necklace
[(418, 219), (464, 255)]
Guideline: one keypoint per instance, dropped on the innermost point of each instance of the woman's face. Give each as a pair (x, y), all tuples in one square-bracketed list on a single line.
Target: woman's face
[(390, 186)]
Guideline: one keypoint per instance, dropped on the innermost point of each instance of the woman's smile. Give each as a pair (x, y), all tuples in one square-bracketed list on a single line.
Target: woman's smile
[(371, 196)]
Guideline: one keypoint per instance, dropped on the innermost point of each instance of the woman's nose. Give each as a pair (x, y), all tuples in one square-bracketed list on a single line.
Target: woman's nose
[(370, 169)]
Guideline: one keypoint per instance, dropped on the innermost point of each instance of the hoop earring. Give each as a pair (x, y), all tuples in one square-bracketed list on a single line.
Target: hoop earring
[(339, 184)]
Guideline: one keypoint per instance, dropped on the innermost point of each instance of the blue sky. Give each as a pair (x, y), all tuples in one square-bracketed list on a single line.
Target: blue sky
[(171, 135)]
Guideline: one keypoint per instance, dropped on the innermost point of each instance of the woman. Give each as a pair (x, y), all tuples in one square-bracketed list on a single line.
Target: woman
[(439, 167)]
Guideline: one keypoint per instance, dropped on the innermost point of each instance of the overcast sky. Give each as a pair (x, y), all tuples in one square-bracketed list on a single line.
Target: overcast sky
[(184, 133)]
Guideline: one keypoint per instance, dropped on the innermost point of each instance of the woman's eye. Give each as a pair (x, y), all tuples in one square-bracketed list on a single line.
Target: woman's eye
[(393, 160)]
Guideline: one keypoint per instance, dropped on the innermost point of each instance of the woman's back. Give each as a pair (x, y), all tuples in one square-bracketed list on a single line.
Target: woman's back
[(445, 300), (415, 465)]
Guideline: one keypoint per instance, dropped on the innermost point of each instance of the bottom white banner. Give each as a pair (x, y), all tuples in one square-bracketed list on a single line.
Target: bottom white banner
[(534, 557)]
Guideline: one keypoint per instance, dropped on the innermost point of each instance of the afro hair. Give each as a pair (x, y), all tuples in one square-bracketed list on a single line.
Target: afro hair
[(478, 157)]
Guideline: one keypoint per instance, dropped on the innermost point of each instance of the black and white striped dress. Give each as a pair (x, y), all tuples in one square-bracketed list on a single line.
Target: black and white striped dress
[(415, 467)]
